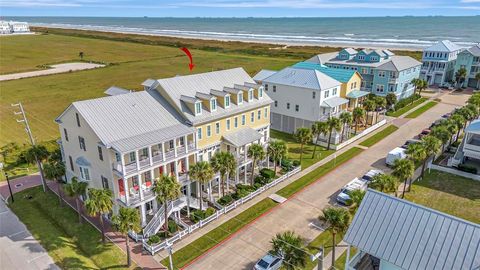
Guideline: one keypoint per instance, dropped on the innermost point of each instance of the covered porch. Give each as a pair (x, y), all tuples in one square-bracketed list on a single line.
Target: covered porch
[(356, 98)]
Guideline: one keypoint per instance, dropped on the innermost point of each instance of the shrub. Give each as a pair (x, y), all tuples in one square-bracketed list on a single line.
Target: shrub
[(210, 211), (267, 174), (196, 216), (225, 200), (172, 226), (467, 168), (242, 191), (257, 186), (154, 239), (296, 163), (406, 101), (287, 165)]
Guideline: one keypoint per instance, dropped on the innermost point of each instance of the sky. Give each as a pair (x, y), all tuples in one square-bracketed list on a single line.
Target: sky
[(239, 8)]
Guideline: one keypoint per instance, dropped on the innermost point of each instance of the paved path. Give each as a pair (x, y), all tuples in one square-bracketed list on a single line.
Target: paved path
[(60, 68), (298, 213), (18, 248), (19, 184)]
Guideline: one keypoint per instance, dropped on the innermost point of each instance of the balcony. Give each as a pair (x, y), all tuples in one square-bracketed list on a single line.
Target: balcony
[(133, 194), (392, 80), (157, 157), (169, 154)]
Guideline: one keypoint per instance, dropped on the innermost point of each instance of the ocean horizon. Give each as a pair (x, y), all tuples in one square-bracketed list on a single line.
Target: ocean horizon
[(407, 32)]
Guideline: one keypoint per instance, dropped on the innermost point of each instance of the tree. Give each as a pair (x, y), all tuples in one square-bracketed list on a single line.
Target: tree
[(128, 219), (380, 103), (337, 219), (203, 173), (277, 150), (420, 85), (460, 76), (452, 129), (431, 145), (474, 99), (467, 113), (403, 169), (333, 123), (37, 154), (416, 152), (99, 203), (256, 153), (356, 197), (384, 183), (80, 54), (369, 106), (225, 164), (358, 115), (75, 189), (346, 119), (167, 189), (303, 136), (55, 170), (442, 133), (318, 128), (289, 247), (458, 120), (391, 100)]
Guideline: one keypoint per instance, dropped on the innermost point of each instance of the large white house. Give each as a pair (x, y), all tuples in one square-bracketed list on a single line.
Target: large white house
[(438, 62), (11, 27)]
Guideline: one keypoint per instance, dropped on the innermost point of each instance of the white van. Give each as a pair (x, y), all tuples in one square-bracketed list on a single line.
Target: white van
[(344, 196), (397, 153)]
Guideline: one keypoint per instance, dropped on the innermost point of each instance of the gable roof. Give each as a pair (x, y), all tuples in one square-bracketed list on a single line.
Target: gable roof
[(474, 50), (412, 236), (305, 78), (263, 74), (341, 75), (322, 58), (444, 46), (349, 51), (398, 63), (114, 90)]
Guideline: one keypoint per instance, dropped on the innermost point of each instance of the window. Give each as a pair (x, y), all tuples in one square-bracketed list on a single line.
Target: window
[(374, 58), (243, 120), (81, 141), (334, 91), (259, 114), (380, 88), (266, 113), (266, 87), (71, 163), (391, 88), (361, 57), (274, 88), (217, 127), (133, 157), (288, 106), (209, 130), (84, 173), (252, 117), (198, 108), (364, 71), (227, 101), (100, 153), (275, 103), (199, 133), (240, 98), (104, 182), (228, 124), (324, 110), (66, 134), (117, 157), (250, 95), (260, 92), (326, 94), (213, 105), (381, 74), (171, 144), (313, 94), (78, 119), (297, 108), (235, 122)]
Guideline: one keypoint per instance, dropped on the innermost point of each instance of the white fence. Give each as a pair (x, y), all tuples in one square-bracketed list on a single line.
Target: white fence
[(181, 234)]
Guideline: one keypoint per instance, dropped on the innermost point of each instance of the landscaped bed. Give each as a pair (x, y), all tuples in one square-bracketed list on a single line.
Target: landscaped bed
[(407, 108), (421, 110), (379, 136)]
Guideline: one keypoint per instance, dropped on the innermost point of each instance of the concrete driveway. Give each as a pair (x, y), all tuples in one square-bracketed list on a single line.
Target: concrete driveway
[(18, 248), (301, 211), (60, 68)]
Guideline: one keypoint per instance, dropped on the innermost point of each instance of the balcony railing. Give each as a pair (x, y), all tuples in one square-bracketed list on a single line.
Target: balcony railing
[(134, 196), (169, 154), (181, 150), (157, 158)]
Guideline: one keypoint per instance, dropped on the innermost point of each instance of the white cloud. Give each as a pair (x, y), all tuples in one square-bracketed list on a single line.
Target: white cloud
[(470, 1)]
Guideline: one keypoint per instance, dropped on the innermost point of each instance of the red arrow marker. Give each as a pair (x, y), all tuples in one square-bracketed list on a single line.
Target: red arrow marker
[(187, 52)]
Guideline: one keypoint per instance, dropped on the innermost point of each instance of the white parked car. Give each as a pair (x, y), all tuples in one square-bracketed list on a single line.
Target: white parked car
[(370, 174), (344, 196), (268, 262), (397, 153)]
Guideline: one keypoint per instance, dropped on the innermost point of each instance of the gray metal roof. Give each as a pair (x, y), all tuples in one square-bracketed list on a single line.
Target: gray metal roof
[(399, 63), (443, 46), (132, 121), (304, 78), (334, 102), (263, 74), (412, 236), (474, 50), (114, 90), (394, 62), (149, 83), (242, 137), (351, 50), (322, 58)]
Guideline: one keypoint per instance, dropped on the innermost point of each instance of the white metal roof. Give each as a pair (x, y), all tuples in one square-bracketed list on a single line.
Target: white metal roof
[(474, 50), (242, 137), (473, 127), (263, 74), (443, 46), (399, 63), (334, 102), (114, 90), (412, 236), (305, 78)]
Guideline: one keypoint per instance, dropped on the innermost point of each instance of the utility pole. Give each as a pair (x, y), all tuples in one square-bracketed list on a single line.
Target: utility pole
[(320, 259), (8, 181), (24, 120), (170, 251)]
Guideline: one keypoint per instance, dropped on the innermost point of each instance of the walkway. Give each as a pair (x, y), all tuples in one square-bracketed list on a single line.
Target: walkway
[(60, 68), (298, 212)]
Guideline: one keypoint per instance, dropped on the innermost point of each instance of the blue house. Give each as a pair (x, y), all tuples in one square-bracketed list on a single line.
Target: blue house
[(439, 62), (470, 60), (382, 71)]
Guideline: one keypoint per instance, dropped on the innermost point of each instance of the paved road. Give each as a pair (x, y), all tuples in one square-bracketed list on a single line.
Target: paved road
[(60, 68), (18, 248), (299, 212)]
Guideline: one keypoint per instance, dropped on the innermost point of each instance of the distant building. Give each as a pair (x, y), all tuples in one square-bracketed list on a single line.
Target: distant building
[(439, 62), (470, 60), (382, 71), (5, 28), (393, 234), (11, 27)]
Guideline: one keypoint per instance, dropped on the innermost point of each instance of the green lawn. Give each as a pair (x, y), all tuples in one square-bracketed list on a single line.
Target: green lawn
[(70, 244), (324, 240), (379, 136), (340, 261), (294, 149), (421, 110), (452, 194), (407, 108)]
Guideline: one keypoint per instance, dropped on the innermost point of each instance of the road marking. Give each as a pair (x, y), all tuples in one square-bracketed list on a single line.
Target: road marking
[(38, 257), (316, 226), (17, 233)]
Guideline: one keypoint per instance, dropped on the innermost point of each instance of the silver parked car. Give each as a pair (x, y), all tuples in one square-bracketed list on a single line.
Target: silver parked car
[(268, 262)]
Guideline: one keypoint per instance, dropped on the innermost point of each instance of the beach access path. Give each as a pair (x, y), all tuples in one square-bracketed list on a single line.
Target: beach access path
[(55, 69)]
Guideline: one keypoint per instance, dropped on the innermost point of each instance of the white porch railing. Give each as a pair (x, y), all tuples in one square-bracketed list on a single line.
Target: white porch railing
[(221, 211), (157, 221)]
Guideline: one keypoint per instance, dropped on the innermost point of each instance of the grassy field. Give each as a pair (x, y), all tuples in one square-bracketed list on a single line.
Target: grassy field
[(421, 110), (294, 149), (70, 244), (379, 136), (448, 193), (407, 108)]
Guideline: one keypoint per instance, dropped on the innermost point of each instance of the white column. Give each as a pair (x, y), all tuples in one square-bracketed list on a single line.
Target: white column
[(185, 142), (140, 183), (176, 168), (175, 146), (163, 151), (347, 261), (245, 174), (143, 214), (150, 155), (122, 160), (164, 169), (125, 187), (188, 186), (137, 160)]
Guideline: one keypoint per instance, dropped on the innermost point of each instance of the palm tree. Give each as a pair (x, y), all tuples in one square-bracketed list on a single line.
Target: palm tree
[(369, 106), (318, 128), (303, 136), (55, 170), (458, 120), (416, 152), (467, 113), (128, 219), (419, 85), (289, 247), (37, 154), (452, 129), (431, 145), (460, 76), (358, 114), (277, 149), (391, 100), (167, 189), (441, 133), (99, 203), (75, 189), (337, 220), (356, 197), (384, 183), (346, 120), (256, 153), (225, 164), (80, 54), (333, 123), (474, 99), (380, 103), (202, 172), (403, 169)]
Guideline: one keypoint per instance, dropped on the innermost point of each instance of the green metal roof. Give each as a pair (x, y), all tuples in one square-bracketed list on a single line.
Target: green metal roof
[(341, 75), (357, 94)]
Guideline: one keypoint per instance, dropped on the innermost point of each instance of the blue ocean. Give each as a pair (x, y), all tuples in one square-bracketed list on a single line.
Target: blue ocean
[(392, 32)]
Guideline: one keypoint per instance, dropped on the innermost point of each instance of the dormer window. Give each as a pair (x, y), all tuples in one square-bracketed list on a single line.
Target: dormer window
[(240, 98), (213, 105), (374, 58), (227, 101), (198, 108), (260, 92), (250, 95), (361, 57)]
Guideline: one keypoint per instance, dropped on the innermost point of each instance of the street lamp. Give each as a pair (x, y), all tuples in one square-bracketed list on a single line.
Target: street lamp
[(8, 181)]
